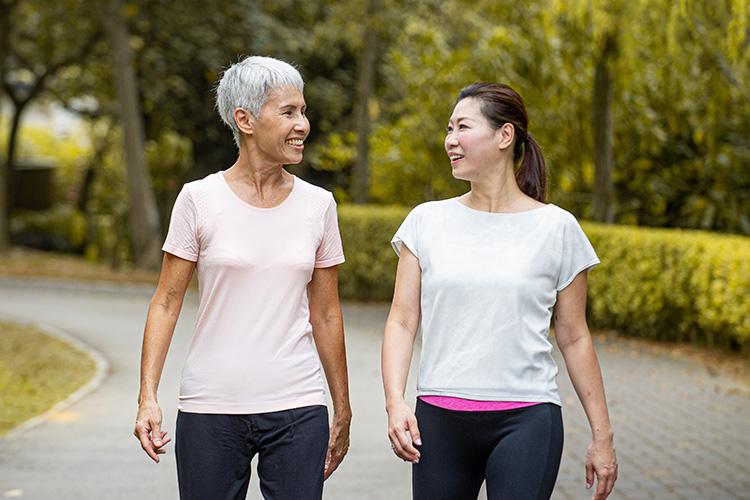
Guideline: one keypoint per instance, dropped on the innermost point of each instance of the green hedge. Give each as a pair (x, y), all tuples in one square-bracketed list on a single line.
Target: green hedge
[(663, 284)]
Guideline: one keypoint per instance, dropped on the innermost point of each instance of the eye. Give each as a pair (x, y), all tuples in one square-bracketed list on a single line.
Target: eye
[(462, 127), (448, 129)]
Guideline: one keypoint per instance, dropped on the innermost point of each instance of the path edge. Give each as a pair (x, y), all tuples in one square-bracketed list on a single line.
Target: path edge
[(102, 370)]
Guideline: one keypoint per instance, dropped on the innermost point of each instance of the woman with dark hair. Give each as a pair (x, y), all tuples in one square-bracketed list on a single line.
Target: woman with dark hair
[(482, 276)]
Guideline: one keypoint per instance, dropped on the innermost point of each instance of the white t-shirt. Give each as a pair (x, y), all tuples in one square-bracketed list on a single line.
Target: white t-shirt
[(489, 285), (252, 349)]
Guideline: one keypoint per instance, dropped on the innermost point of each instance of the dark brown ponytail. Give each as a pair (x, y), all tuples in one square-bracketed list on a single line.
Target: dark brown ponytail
[(500, 105)]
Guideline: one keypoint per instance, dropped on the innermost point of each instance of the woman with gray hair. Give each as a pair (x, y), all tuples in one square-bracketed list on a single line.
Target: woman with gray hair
[(266, 246)]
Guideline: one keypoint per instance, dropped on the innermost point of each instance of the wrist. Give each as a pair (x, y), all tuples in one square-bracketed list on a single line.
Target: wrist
[(603, 435)]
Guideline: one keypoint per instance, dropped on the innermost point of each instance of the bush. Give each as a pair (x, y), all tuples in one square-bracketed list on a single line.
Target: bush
[(61, 228), (662, 284)]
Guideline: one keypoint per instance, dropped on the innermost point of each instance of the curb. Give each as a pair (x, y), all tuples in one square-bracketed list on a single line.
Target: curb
[(102, 370), (78, 286)]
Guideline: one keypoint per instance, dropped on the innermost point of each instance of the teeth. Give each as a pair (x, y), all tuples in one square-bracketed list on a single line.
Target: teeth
[(295, 142), (455, 157)]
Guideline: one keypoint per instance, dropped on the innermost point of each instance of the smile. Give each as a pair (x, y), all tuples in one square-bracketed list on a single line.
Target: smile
[(294, 142)]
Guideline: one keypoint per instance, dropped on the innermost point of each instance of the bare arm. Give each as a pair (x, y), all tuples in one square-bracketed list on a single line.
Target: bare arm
[(574, 340), (328, 331), (162, 317), (398, 345)]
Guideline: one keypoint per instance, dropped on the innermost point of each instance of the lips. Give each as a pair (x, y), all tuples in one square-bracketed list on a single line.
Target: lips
[(295, 142), (454, 157)]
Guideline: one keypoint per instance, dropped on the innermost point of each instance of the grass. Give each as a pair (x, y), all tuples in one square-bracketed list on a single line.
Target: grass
[(36, 371), (27, 263)]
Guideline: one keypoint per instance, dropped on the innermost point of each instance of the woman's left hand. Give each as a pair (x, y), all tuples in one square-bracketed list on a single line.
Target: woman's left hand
[(338, 444), (601, 462)]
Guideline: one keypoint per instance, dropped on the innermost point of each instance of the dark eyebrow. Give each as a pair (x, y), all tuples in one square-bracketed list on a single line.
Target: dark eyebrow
[(461, 118)]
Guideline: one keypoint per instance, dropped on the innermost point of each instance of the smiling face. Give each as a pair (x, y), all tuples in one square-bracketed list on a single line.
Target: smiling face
[(282, 127), (470, 141)]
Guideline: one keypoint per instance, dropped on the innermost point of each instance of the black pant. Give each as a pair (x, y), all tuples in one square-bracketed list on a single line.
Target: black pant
[(214, 453), (517, 451)]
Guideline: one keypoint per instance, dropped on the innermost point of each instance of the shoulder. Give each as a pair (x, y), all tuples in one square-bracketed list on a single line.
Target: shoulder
[(560, 215), (311, 191), (429, 208), (201, 187)]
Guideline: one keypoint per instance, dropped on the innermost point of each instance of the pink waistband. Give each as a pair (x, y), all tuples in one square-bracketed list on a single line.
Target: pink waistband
[(460, 404)]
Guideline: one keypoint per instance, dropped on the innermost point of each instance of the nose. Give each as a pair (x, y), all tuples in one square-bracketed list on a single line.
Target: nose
[(302, 126), (450, 140)]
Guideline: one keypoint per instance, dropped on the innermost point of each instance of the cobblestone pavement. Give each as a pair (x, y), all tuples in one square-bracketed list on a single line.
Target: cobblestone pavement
[(681, 430)]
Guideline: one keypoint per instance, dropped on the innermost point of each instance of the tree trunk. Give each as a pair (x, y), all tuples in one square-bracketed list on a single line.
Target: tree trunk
[(604, 192), (145, 231), (365, 89), (6, 9)]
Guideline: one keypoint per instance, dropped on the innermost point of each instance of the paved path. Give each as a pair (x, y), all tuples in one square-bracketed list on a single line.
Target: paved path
[(681, 432)]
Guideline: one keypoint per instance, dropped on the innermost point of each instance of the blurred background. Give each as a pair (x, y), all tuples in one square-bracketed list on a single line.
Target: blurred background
[(108, 106), (642, 108)]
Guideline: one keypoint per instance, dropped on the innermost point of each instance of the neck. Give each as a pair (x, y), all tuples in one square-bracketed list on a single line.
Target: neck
[(250, 168), (496, 190)]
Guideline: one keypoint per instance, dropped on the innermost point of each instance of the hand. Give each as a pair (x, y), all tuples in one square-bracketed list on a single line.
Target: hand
[(403, 432), (338, 445), (602, 462), (148, 430)]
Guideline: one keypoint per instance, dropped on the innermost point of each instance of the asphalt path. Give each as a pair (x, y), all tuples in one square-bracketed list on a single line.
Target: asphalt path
[(682, 431)]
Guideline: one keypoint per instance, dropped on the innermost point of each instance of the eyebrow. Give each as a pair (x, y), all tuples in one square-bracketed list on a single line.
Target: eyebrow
[(461, 118), (292, 106)]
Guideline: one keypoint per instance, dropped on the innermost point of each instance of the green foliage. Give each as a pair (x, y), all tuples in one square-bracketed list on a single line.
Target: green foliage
[(61, 228), (667, 284), (661, 284), (370, 266)]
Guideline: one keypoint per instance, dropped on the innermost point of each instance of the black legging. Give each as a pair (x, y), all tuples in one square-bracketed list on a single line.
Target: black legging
[(517, 451)]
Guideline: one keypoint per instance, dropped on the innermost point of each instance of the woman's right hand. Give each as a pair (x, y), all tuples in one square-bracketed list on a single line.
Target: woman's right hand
[(148, 430), (403, 432)]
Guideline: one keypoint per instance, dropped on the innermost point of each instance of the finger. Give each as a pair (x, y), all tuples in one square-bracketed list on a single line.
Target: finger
[(148, 446), (589, 475), (601, 484), (164, 441), (327, 471), (397, 447), (404, 443), (416, 437), (156, 434), (611, 481)]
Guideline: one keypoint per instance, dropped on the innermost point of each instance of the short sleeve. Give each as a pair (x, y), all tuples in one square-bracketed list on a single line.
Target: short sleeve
[(182, 237), (406, 234), (330, 251), (577, 253)]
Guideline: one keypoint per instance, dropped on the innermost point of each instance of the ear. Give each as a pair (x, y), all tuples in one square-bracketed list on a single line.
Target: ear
[(244, 120), (505, 136)]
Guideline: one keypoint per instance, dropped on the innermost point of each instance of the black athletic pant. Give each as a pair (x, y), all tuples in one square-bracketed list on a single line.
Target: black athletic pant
[(214, 453), (517, 452)]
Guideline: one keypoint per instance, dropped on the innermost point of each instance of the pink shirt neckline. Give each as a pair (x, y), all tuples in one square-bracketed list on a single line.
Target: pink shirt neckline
[(253, 207)]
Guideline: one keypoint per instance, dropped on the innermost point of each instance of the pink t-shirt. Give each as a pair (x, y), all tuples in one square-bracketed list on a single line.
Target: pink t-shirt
[(252, 349)]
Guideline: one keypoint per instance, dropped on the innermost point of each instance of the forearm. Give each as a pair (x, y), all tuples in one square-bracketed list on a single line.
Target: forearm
[(331, 345), (585, 374), (398, 346), (157, 336)]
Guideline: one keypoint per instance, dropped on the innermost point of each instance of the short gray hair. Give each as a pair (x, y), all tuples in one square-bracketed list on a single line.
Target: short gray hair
[(246, 84)]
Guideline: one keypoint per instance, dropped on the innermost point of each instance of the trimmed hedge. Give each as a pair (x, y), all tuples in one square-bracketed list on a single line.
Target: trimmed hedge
[(662, 284)]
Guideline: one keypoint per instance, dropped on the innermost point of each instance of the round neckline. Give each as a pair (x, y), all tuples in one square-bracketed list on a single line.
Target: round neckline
[(501, 214), (250, 205)]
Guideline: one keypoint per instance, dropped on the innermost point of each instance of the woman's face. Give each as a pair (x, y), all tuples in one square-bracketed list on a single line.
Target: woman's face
[(470, 141), (282, 127)]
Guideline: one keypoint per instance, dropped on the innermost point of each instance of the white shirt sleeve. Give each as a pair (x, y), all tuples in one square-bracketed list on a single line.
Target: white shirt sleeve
[(407, 234), (577, 253)]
